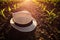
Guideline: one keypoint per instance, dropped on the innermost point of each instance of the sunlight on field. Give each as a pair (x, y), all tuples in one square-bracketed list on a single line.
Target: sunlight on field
[(46, 12)]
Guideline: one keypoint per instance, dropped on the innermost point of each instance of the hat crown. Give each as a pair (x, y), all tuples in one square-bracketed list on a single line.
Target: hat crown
[(22, 17)]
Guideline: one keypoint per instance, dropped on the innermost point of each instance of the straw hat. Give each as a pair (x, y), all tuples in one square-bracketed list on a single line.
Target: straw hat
[(23, 21)]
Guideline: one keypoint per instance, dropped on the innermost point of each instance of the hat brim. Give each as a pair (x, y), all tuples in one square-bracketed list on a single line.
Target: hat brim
[(24, 29)]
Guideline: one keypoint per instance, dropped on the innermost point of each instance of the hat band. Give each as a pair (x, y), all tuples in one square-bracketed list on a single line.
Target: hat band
[(23, 25), (24, 29)]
